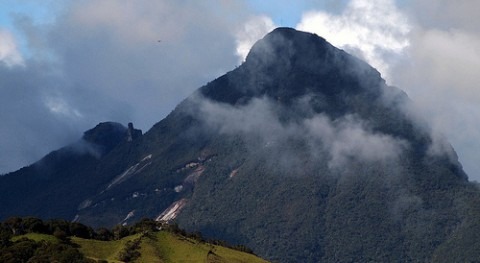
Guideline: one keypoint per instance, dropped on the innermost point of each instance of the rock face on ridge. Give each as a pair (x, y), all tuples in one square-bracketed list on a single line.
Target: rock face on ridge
[(302, 153), (53, 186)]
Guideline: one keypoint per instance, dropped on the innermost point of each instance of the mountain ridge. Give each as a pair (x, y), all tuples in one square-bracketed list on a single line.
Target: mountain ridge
[(304, 153)]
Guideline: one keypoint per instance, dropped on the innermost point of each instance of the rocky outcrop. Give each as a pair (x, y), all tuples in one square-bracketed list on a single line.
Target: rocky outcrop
[(133, 133)]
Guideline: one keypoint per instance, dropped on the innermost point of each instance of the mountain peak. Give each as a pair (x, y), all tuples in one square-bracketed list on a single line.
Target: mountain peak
[(104, 131), (287, 64), (285, 43), (107, 135)]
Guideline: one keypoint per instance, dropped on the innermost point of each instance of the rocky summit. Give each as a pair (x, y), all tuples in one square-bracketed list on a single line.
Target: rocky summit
[(302, 153)]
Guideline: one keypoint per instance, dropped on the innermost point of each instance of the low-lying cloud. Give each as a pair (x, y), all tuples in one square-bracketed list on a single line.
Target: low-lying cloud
[(350, 139), (339, 141), (440, 73), (430, 50)]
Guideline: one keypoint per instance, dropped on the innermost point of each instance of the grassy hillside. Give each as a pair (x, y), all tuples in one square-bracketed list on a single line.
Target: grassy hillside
[(162, 247), (103, 250), (33, 240), (37, 238)]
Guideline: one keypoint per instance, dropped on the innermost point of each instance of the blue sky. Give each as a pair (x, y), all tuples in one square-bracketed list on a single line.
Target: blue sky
[(108, 60), (40, 12), (282, 12)]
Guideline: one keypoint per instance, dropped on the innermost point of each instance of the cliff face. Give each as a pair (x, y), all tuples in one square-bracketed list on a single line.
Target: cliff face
[(302, 153)]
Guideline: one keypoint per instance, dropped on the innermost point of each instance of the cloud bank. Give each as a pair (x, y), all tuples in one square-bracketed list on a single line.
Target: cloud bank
[(440, 73), (429, 49), (371, 30), (107, 61), (339, 142)]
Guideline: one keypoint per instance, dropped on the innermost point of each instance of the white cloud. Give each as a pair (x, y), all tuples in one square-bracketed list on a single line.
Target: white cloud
[(59, 106), (430, 49), (449, 61), (9, 53), (373, 30), (446, 14), (102, 61), (338, 142), (254, 29), (441, 73), (349, 139), (441, 76)]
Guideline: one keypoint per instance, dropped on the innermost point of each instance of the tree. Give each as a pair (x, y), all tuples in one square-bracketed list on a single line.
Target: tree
[(20, 251), (103, 234), (5, 236), (80, 230), (120, 231), (60, 234), (145, 224), (55, 224), (34, 225), (15, 225), (60, 252)]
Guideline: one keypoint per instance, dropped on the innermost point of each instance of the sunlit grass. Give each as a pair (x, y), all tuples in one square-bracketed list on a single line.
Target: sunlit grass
[(173, 248), (37, 237), (163, 247), (106, 250)]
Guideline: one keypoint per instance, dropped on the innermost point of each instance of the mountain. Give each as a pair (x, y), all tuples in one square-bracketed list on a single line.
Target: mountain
[(55, 185), (302, 153)]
